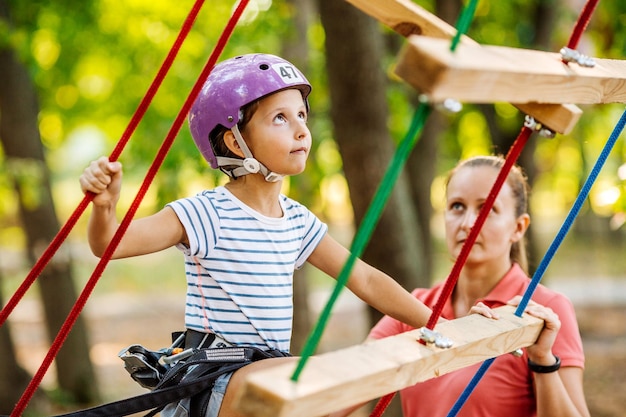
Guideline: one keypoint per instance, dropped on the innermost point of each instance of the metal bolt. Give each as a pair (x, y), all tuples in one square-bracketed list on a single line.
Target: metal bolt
[(451, 105), (544, 131), (517, 353), (428, 335), (443, 342), (572, 55)]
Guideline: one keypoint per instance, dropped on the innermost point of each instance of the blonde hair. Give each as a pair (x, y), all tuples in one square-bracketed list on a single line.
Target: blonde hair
[(518, 182)]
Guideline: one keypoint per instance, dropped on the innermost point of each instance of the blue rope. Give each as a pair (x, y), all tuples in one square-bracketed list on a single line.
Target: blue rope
[(567, 224), (470, 387), (569, 220)]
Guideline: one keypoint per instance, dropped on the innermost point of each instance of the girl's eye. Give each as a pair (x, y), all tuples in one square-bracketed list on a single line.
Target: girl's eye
[(456, 206), (302, 116), (280, 118)]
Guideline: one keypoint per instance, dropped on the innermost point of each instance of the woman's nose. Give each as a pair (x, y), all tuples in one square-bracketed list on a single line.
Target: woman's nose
[(468, 219)]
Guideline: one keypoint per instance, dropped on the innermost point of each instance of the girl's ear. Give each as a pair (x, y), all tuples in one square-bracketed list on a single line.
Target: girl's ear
[(522, 224), (232, 144)]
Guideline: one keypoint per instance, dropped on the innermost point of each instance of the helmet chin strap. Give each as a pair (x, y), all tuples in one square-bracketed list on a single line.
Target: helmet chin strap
[(249, 165)]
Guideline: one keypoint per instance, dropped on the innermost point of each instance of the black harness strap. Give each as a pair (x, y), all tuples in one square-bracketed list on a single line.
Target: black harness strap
[(156, 399), (187, 379)]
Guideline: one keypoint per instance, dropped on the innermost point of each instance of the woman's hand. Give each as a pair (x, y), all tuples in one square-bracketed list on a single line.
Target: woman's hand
[(541, 352), (482, 309)]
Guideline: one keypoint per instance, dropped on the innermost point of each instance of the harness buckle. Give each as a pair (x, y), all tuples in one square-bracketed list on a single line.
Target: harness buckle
[(143, 365), (147, 367)]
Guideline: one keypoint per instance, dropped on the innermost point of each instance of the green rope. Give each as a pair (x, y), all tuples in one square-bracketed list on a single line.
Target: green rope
[(374, 211), (463, 23), (364, 232)]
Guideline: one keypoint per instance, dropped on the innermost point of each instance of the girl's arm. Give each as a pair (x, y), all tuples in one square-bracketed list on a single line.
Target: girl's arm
[(371, 285), (143, 236)]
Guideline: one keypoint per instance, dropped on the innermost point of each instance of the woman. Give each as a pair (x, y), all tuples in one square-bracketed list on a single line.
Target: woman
[(547, 380)]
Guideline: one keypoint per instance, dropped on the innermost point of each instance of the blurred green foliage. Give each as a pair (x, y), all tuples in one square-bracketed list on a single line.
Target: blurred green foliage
[(93, 61)]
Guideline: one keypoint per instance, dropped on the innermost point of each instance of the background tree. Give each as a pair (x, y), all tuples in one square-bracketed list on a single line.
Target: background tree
[(359, 112), (90, 64), (25, 163), (296, 50), (422, 166)]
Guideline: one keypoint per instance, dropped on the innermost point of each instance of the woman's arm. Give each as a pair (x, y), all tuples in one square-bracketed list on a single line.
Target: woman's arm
[(561, 393), (558, 393)]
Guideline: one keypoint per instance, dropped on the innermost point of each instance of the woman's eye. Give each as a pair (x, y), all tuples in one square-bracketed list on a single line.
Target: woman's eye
[(493, 208)]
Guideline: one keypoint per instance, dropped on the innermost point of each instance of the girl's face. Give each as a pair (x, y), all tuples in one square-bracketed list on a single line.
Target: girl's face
[(277, 133), (467, 191)]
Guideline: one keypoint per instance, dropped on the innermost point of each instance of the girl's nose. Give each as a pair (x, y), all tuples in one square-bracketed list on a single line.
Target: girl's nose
[(302, 132)]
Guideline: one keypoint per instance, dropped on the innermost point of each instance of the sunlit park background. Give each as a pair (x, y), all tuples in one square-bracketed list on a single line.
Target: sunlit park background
[(89, 64)]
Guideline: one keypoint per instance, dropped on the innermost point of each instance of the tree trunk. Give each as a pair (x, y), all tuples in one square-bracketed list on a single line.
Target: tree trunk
[(545, 17), (295, 49), (423, 161), (13, 378), (26, 165), (359, 112)]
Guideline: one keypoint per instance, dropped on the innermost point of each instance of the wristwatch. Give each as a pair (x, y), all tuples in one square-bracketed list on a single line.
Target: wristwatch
[(540, 369)]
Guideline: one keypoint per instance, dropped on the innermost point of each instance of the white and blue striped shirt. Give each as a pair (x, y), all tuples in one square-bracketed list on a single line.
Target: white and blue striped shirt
[(239, 266)]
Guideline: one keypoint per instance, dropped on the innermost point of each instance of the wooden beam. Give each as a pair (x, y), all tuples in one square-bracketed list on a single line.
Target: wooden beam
[(407, 18), (336, 380), (487, 74)]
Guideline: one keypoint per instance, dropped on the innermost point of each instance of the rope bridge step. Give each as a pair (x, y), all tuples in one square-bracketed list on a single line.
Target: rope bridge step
[(408, 18), (487, 74), (335, 380)]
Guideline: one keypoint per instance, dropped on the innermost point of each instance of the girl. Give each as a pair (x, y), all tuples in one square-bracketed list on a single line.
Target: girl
[(242, 241)]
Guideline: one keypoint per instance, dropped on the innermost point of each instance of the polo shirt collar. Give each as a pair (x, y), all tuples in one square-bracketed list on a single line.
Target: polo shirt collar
[(513, 283)]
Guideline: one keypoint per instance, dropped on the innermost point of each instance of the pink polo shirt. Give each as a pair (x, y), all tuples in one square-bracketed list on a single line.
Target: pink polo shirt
[(506, 389)]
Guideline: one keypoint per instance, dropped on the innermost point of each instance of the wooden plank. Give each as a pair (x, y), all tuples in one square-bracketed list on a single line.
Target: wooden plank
[(408, 18), (339, 379), (487, 74)]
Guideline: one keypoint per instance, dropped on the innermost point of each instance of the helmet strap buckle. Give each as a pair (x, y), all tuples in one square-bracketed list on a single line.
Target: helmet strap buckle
[(273, 177), (251, 165)]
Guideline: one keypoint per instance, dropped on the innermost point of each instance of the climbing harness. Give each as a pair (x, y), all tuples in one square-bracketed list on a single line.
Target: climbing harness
[(148, 367), (185, 370)]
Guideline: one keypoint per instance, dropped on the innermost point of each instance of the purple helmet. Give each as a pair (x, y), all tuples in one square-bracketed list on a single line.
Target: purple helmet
[(231, 85)]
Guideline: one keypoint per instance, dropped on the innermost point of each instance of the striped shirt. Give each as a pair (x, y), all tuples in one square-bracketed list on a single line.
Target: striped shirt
[(239, 266)]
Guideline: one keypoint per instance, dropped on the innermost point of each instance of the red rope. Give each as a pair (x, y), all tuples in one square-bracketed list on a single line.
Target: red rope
[(581, 23), (504, 172), (450, 282), (106, 257), (579, 28), (382, 405), (73, 219)]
